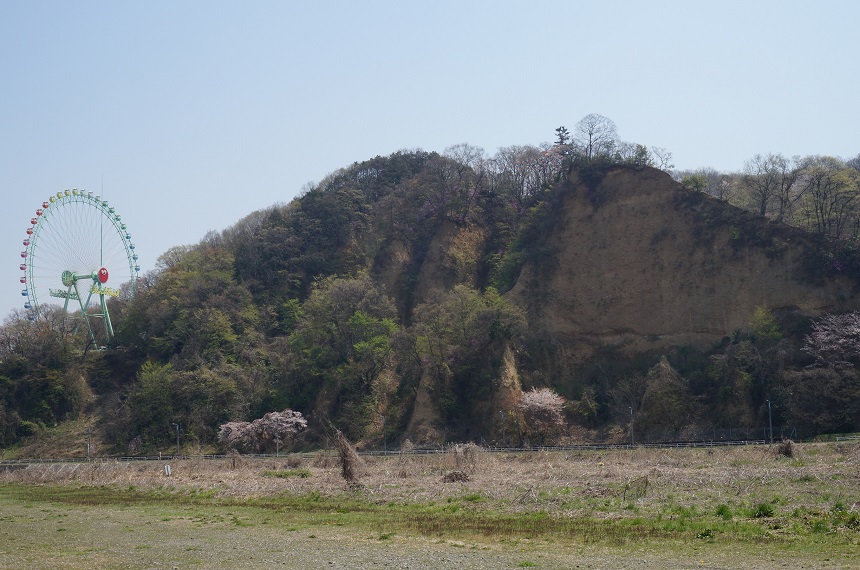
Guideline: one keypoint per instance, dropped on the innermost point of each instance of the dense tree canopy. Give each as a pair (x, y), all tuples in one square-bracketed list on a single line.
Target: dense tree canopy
[(322, 306)]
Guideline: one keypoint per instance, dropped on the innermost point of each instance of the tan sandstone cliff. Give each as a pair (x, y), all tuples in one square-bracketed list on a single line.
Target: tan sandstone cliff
[(642, 264)]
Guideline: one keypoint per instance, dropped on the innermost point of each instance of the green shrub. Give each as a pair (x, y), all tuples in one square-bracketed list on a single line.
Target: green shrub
[(27, 428), (724, 512), (762, 510)]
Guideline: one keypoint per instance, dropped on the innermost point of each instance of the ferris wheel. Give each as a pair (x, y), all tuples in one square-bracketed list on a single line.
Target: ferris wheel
[(78, 253)]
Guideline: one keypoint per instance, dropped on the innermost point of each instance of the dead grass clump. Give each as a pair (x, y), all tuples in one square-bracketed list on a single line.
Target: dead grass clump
[(324, 460), (466, 457), (293, 461), (349, 459), (596, 491), (235, 458), (785, 448), (406, 460), (850, 451), (529, 496), (456, 477), (636, 489)]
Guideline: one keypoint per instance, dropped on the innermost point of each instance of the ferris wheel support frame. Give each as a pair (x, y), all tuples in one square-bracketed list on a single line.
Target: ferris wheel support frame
[(71, 281)]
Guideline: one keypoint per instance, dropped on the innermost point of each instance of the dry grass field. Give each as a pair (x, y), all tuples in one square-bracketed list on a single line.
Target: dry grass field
[(738, 507)]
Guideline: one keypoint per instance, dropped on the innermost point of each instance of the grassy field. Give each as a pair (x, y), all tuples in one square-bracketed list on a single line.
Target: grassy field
[(746, 507)]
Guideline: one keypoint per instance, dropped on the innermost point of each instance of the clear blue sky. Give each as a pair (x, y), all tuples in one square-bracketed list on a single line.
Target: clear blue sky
[(188, 115)]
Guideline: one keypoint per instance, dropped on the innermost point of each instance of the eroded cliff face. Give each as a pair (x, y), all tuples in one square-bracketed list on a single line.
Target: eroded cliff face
[(450, 258), (634, 265), (642, 264)]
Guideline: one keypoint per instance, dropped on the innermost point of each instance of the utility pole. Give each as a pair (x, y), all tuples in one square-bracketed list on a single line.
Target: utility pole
[(502, 413), (770, 420), (631, 426), (89, 441), (384, 443), (176, 425)]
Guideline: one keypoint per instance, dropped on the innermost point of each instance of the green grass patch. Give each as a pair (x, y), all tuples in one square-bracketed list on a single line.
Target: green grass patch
[(431, 519), (724, 512), (761, 511)]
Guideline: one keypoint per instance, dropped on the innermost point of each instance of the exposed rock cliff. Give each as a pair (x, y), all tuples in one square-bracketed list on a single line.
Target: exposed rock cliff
[(642, 264)]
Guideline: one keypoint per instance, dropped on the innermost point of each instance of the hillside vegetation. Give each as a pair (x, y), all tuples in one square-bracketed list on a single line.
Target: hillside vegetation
[(566, 292)]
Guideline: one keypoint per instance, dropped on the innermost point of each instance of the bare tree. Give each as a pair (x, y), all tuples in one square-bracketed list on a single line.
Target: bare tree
[(661, 158), (470, 170), (831, 195), (513, 172), (710, 181), (770, 180), (760, 183), (452, 181), (633, 154), (627, 396), (788, 170), (596, 136), (521, 172)]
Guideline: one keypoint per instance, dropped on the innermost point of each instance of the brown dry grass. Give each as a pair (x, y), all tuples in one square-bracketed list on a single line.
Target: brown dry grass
[(550, 480), (665, 506)]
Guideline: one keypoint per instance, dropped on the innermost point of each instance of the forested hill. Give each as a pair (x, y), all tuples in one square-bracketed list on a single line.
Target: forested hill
[(549, 294)]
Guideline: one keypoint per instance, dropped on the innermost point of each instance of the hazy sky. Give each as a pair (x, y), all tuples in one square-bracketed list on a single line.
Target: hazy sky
[(189, 115)]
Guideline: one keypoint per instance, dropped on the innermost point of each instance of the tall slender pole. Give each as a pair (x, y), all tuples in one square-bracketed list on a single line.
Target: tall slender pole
[(277, 437), (502, 413), (631, 426), (89, 441), (770, 420), (177, 439), (384, 442)]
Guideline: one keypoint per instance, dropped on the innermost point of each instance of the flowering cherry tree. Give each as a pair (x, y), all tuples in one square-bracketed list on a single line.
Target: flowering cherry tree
[(262, 434), (542, 411), (835, 341)]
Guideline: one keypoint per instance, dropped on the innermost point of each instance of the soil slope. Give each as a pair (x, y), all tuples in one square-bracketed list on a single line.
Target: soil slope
[(642, 264)]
